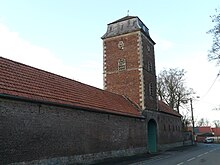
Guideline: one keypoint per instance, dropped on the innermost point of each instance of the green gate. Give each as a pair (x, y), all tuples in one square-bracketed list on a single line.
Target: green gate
[(152, 136)]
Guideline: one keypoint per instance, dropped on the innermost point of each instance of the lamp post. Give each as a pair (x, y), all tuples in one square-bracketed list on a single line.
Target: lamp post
[(193, 123)]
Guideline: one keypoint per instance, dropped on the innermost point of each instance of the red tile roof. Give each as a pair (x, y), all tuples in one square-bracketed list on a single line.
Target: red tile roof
[(23, 81), (163, 107), (201, 130), (205, 129), (216, 131)]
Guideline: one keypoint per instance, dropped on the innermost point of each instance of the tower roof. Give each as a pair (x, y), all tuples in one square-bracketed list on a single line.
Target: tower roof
[(126, 25), (123, 19)]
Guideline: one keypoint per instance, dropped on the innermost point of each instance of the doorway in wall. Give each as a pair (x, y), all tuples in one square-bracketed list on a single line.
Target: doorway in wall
[(152, 136)]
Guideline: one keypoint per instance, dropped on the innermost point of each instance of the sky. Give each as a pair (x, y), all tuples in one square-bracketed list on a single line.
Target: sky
[(64, 37)]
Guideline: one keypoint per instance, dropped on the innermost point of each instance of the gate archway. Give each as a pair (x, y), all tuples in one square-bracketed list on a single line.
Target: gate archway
[(152, 136)]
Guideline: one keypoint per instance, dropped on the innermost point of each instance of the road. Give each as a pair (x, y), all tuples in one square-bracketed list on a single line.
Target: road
[(202, 154)]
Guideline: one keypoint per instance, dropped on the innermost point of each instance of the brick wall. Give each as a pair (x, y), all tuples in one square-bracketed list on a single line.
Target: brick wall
[(133, 82), (32, 131), (149, 73), (125, 82), (169, 129)]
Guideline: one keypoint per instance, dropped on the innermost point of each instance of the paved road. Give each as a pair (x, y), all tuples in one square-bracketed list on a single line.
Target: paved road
[(202, 154)]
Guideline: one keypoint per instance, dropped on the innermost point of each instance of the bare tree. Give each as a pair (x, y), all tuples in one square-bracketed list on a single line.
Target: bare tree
[(217, 108), (186, 120), (207, 123), (203, 122), (171, 88), (214, 53), (216, 123)]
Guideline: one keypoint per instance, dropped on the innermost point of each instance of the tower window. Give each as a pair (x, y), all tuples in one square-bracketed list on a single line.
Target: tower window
[(110, 28), (150, 67), (134, 23), (121, 64), (151, 89), (121, 27), (148, 48), (128, 22)]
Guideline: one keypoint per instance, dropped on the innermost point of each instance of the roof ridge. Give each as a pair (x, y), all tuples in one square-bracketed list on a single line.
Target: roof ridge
[(123, 19)]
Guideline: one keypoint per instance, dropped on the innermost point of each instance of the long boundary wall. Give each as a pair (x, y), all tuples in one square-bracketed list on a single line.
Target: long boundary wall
[(36, 132)]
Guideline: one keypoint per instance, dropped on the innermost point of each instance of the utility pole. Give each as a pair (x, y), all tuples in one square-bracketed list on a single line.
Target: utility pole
[(193, 124)]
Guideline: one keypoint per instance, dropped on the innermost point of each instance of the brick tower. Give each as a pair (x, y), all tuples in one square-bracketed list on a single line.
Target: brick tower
[(129, 61)]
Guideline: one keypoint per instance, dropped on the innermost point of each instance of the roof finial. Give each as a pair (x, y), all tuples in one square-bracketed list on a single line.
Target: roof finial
[(128, 13)]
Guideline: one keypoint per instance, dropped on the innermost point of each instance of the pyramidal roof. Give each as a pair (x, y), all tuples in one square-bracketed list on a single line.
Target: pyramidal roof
[(126, 25), (25, 82)]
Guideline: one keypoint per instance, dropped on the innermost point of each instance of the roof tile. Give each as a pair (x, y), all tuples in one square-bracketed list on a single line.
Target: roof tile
[(165, 108), (216, 131), (20, 80)]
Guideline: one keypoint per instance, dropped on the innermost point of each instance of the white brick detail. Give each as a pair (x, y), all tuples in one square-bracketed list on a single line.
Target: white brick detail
[(104, 66), (141, 87)]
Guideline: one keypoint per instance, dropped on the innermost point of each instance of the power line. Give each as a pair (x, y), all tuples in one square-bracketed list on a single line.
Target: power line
[(211, 85)]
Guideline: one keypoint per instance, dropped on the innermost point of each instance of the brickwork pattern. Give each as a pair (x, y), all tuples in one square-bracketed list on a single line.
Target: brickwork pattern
[(126, 82), (133, 82), (149, 75), (169, 127), (31, 131)]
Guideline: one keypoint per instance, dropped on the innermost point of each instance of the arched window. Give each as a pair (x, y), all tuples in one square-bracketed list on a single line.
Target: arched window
[(121, 64)]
